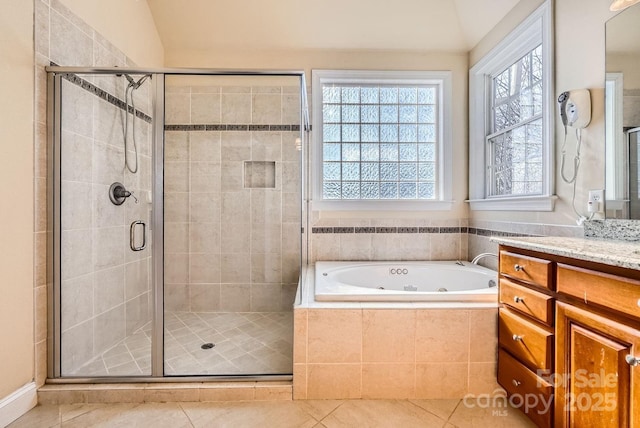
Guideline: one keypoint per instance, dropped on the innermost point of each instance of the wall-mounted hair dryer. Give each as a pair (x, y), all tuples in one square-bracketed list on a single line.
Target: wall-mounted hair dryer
[(575, 112), (575, 108)]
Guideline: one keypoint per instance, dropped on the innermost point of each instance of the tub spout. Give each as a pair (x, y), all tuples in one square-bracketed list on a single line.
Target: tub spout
[(481, 256)]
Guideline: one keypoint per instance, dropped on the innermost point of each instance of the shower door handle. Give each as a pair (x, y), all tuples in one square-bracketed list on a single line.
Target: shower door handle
[(132, 236)]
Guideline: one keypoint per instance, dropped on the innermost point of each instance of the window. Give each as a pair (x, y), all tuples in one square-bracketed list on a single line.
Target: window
[(381, 140), (515, 141), (511, 108)]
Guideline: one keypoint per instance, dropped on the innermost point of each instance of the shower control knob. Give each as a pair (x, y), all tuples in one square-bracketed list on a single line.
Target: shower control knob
[(518, 299), (118, 194), (517, 338), (518, 268)]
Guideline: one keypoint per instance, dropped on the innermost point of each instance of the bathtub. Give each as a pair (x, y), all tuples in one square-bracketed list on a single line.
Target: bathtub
[(433, 281)]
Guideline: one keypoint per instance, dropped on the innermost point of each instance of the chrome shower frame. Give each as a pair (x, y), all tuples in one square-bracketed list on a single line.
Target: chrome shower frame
[(54, 103)]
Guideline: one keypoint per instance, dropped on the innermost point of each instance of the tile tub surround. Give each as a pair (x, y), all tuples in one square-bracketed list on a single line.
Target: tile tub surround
[(392, 350), (387, 239), (417, 239), (481, 241)]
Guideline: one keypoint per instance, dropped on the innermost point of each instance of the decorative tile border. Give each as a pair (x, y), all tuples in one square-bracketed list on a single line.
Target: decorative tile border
[(489, 233), (102, 94), (413, 230), (230, 127)]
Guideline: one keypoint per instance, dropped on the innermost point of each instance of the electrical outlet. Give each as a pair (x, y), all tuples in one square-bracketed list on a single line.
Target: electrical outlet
[(596, 201), (596, 195)]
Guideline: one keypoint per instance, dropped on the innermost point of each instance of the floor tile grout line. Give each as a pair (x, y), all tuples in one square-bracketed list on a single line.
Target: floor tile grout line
[(331, 412), (410, 400), (454, 410), (186, 414)]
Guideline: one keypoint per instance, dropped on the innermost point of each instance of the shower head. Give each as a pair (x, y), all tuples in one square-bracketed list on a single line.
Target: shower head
[(130, 79), (132, 82)]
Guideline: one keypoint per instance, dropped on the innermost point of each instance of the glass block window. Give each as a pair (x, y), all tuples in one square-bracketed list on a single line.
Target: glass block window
[(380, 141), (515, 139)]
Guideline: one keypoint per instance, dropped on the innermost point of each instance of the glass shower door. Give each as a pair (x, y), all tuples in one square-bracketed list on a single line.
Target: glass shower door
[(103, 233), (232, 223)]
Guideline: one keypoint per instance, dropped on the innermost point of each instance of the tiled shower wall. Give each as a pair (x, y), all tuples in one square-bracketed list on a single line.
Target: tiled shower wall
[(105, 287), (232, 197), (105, 292)]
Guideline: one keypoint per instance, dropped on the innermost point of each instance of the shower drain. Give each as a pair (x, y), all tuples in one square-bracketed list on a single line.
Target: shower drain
[(207, 346)]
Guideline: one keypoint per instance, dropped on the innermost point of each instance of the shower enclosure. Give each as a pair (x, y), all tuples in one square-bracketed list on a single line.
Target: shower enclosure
[(177, 218)]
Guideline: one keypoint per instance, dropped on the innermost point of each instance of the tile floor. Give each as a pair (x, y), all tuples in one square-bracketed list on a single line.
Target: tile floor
[(245, 343), (303, 413)]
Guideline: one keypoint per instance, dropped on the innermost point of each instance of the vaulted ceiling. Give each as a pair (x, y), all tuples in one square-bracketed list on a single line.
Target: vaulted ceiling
[(422, 25)]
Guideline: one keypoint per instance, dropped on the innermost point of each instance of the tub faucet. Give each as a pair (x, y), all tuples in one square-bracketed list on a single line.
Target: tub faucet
[(481, 256)]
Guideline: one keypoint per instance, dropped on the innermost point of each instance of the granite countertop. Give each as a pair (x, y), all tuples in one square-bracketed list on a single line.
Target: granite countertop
[(611, 252)]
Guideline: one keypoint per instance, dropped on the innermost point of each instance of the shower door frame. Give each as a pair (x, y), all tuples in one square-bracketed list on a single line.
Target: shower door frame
[(54, 138)]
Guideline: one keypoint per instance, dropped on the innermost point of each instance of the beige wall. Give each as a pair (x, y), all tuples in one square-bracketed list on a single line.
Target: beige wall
[(579, 63), (16, 215), (127, 24)]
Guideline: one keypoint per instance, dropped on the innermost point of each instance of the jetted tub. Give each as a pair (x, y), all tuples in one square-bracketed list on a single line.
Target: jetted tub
[(433, 281)]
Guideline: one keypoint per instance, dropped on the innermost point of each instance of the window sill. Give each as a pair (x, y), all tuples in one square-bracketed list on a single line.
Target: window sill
[(523, 203), (381, 205)]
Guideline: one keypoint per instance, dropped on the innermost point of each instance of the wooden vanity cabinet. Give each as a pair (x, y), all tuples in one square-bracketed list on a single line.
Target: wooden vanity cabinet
[(595, 384), (525, 330), (597, 343), (588, 316)]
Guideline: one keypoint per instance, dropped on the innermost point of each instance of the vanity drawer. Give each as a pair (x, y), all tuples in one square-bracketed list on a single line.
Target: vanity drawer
[(529, 269), (611, 291), (530, 343), (517, 379), (537, 305)]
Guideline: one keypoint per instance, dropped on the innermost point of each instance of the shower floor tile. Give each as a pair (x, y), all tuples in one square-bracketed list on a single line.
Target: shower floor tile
[(245, 343)]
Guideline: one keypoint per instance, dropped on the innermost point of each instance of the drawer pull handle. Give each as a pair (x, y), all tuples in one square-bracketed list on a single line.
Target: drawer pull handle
[(632, 361), (516, 382), (518, 268), (518, 299), (517, 338)]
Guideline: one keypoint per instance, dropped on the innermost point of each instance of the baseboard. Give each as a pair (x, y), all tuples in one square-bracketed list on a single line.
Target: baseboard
[(18, 403)]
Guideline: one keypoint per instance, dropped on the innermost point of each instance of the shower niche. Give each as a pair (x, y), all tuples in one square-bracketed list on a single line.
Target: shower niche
[(177, 211)]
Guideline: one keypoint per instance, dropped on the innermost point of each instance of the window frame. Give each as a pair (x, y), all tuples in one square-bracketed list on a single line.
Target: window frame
[(444, 180), (536, 29)]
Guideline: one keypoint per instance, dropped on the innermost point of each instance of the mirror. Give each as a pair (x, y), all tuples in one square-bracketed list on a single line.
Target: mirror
[(622, 115)]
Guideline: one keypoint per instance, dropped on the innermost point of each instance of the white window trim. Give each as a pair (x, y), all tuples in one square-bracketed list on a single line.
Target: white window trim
[(445, 139), (536, 29)]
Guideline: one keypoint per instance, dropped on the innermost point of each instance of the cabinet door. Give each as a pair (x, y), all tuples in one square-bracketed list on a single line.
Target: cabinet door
[(595, 384)]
